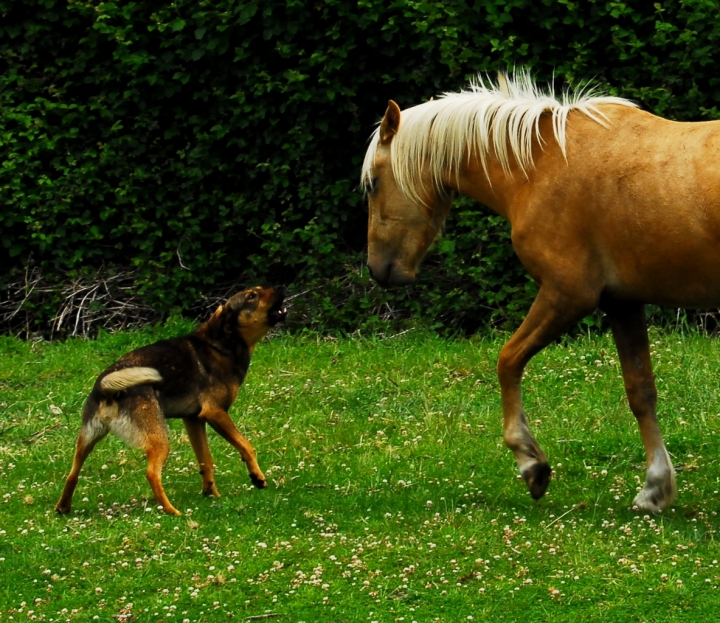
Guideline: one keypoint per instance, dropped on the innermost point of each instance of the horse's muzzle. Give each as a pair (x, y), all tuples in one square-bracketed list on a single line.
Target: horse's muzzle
[(390, 276)]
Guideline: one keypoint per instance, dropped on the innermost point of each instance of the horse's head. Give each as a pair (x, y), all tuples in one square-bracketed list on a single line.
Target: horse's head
[(404, 218)]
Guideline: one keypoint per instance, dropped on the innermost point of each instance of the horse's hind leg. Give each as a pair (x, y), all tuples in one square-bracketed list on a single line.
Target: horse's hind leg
[(627, 321), (550, 316)]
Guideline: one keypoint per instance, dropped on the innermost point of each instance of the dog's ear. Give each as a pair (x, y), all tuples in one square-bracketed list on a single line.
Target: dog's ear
[(224, 324), (224, 318), (230, 312), (234, 304)]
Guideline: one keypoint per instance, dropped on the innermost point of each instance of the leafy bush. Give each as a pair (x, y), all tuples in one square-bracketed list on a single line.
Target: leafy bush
[(203, 143)]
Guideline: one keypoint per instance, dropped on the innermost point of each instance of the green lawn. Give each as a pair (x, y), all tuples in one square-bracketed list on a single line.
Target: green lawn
[(391, 495)]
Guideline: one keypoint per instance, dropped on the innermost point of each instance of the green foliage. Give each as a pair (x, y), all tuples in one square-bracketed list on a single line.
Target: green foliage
[(204, 142)]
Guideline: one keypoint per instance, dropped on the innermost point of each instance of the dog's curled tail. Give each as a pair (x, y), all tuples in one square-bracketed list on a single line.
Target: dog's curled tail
[(121, 380)]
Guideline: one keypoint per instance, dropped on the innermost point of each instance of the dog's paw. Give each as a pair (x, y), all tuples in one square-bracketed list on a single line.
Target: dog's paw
[(211, 492), (171, 510), (258, 481), (62, 509)]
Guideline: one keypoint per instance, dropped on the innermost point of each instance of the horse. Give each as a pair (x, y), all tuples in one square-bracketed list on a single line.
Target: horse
[(610, 207)]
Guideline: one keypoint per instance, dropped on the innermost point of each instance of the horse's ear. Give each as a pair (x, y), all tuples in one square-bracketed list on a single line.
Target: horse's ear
[(390, 124)]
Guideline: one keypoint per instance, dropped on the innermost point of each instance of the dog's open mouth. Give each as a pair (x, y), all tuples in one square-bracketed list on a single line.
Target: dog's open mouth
[(278, 312), (277, 315)]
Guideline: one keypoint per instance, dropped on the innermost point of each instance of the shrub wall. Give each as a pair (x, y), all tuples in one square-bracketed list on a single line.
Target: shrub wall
[(202, 143)]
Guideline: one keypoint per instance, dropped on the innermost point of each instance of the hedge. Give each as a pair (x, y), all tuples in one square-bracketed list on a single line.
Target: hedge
[(201, 145)]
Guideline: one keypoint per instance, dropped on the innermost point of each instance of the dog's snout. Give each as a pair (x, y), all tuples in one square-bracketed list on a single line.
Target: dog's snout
[(280, 290)]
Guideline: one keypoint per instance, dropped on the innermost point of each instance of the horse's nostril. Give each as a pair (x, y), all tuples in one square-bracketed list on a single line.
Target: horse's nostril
[(388, 272), (382, 275)]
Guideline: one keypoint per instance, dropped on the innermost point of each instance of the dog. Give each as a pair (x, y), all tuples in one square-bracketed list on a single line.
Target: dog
[(194, 377)]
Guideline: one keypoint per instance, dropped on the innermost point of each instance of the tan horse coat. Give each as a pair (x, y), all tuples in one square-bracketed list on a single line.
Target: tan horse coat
[(627, 213)]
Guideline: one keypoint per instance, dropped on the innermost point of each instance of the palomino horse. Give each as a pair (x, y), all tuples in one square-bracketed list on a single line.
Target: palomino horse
[(610, 208)]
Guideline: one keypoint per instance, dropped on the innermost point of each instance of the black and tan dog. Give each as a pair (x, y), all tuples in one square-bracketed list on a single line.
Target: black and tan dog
[(195, 377)]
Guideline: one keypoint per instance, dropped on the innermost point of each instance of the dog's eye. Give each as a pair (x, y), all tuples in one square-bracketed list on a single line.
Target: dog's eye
[(252, 296)]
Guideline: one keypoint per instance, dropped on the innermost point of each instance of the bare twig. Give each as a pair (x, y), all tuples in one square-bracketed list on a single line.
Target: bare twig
[(563, 515), (102, 300), (40, 434), (177, 252)]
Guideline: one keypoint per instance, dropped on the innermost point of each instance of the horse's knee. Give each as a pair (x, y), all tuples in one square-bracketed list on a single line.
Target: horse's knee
[(642, 397), (509, 366)]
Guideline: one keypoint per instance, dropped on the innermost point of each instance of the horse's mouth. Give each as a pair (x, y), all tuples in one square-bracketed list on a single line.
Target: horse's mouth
[(390, 276)]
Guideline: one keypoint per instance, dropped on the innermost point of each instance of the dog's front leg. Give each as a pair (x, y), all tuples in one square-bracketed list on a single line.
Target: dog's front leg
[(198, 439), (221, 422)]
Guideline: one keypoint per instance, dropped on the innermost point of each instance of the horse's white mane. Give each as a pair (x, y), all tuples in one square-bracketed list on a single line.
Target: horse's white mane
[(503, 117)]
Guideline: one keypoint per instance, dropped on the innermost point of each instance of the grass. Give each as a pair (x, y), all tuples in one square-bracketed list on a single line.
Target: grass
[(391, 496)]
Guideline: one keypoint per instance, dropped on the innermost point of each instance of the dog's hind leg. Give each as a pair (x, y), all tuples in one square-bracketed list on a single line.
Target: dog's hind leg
[(198, 440), (91, 432), (141, 424), (221, 422), (157, 453), (153, 438)]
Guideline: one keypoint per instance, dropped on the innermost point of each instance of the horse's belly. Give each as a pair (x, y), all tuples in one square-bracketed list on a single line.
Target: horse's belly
[(676, 279)]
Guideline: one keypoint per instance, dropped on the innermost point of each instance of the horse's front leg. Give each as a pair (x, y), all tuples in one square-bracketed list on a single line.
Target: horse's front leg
[(627, 321), (550, 316)]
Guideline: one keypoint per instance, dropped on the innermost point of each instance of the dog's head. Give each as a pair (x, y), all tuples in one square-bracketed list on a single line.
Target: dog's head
[(251, 313)]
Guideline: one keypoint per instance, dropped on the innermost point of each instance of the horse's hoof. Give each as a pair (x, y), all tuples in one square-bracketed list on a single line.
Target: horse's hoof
[(258, 481), (651, 501), (646, 505), (537, 478)]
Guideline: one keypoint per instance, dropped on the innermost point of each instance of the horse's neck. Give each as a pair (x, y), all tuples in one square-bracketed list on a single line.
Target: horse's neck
[(492, 187), (502, 190)]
